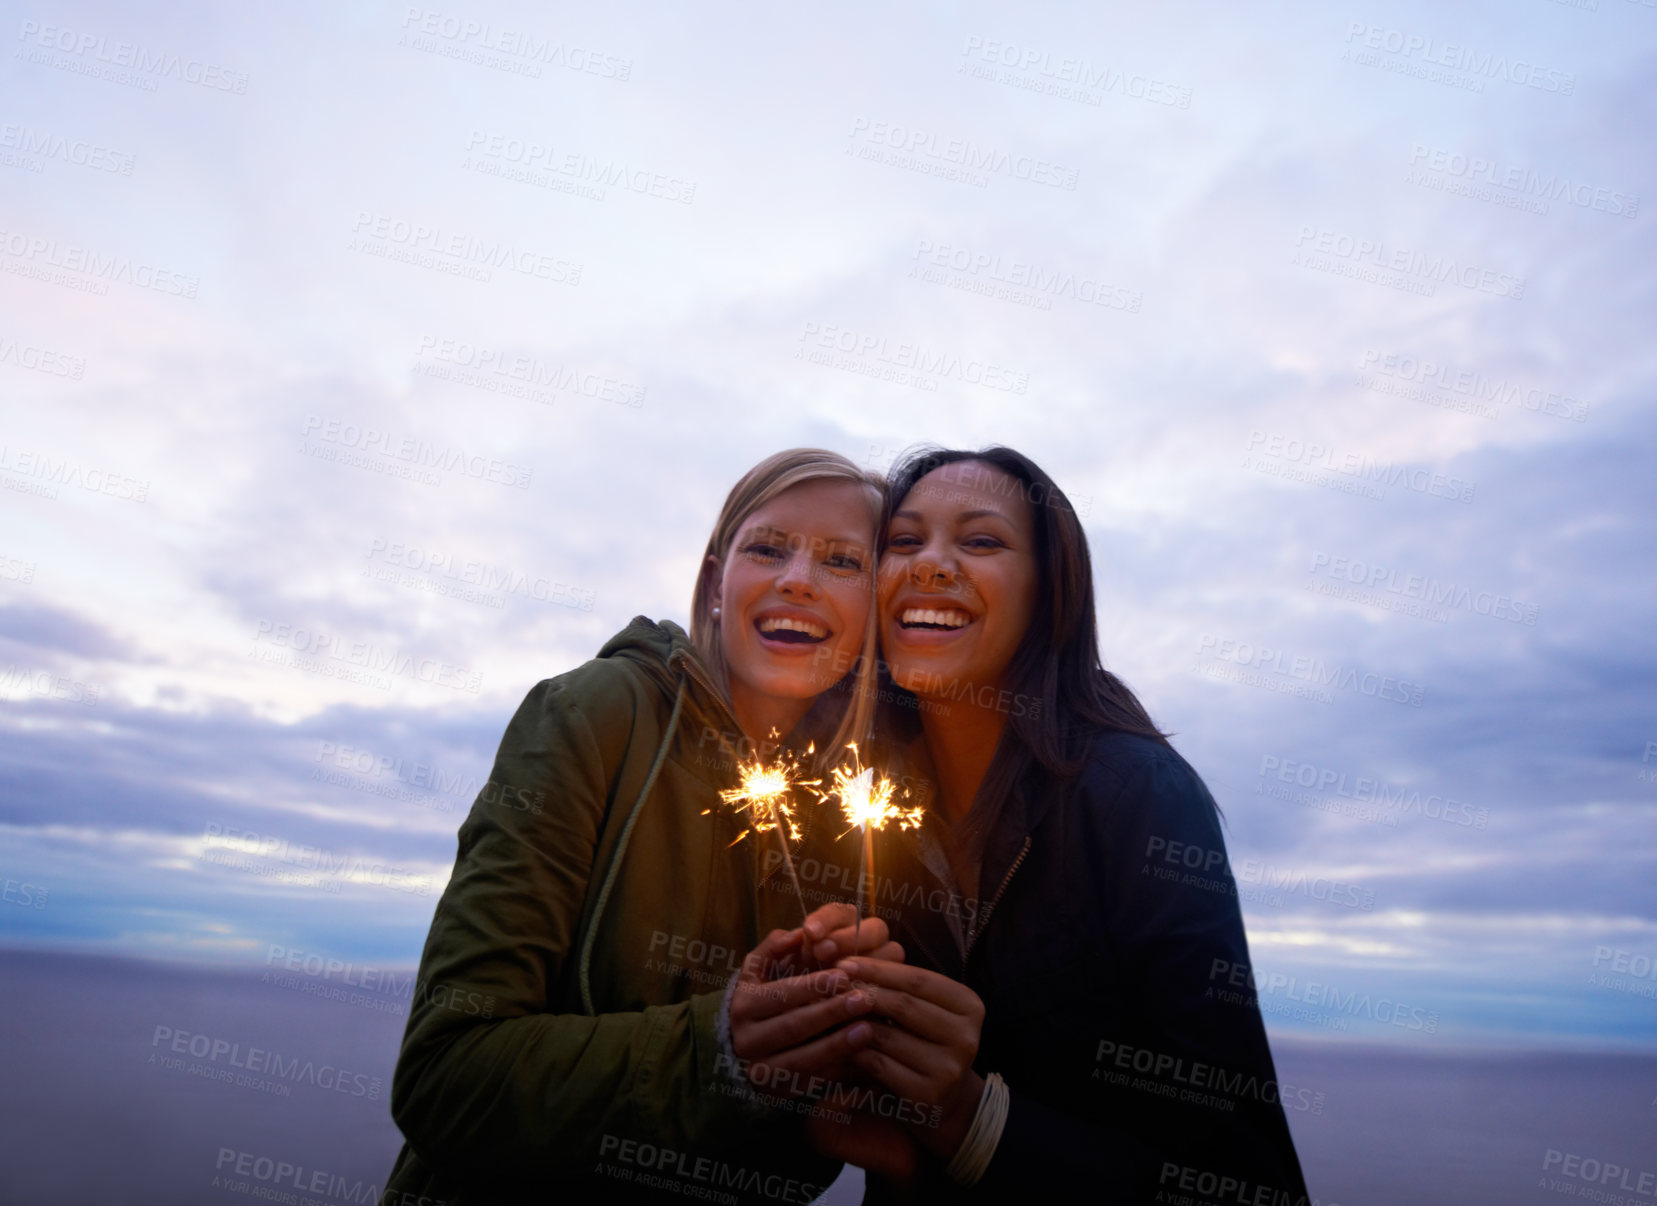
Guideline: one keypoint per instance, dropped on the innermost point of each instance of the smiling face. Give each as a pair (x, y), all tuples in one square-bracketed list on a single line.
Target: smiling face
[(958, 579), (794, 594)]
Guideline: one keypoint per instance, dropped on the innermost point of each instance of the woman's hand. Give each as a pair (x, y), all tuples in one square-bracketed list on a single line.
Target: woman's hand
[(927, 1057), (791, 1029), (870, 1143), (832, 933)]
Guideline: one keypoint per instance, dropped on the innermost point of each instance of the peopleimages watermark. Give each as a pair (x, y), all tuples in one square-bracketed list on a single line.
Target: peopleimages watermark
[(948, 158), (454, 253), (25, 147), (254, 1067), (975, 475), (1358, 257), (519, 376), (1448, 62), (1206, 867), (1461, 389), (331, 979), (40, 359), (126, 63), (543, 164), (15, 569), (1388, 589), (1221, 1189), (395, 777), (1353, 471), (1266, 682), (687, 955), (929, 691), (359, 445), (73, 266), (883, 895), (1017, 281), (282, 1181), (904, 363), (1362, 796), (515, 51), (1646, 774), (47, 684), (1304, 883), (220, 844), (1621, 970), (659, 1167), (41, 474), (325, 654), (473, 581), (1486, 179), (1073, 79), (24, 894), (1181, 1078), (817, 1095), (1267, 664), (1587, 1176), (1228, 981), (455, 998)]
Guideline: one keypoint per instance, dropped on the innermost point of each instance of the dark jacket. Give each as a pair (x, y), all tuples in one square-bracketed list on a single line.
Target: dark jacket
[(542, 1066), (1103, 949)]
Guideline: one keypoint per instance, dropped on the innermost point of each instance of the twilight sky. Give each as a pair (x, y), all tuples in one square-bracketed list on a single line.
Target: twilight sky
[(361, 368)]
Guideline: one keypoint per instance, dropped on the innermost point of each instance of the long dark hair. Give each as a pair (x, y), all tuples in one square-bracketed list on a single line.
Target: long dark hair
[(1056, 668)]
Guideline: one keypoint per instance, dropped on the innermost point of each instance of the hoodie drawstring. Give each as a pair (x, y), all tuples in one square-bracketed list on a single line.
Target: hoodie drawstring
[(621, 849)]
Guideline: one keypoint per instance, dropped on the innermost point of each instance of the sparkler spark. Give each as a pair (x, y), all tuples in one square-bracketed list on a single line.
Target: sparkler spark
[(866, 798), (764, 796)]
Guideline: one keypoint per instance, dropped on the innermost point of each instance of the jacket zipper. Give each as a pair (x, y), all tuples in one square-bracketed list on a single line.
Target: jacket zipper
[(984, 918)]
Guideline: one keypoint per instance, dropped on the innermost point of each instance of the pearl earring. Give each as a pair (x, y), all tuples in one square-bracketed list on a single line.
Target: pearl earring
[(716, 613)]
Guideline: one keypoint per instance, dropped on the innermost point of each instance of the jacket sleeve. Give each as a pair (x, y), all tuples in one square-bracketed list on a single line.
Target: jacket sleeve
[(489, 1081), (1203, 1118)]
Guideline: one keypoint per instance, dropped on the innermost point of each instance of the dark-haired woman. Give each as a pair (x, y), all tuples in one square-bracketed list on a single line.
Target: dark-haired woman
[(1068, 1014)]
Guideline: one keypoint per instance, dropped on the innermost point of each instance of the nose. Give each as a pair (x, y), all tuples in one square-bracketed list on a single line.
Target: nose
[(795, 577), (938, 577), (936, 566)]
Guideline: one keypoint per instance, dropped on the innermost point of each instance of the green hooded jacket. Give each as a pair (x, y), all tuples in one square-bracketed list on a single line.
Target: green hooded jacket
[(561, 1045)]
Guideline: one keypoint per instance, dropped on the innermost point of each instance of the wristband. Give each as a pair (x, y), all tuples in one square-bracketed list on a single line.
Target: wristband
[(722, 1032), (972, 1158)]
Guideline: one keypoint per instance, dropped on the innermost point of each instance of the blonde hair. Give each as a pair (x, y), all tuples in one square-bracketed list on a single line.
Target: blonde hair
[(776, 473)]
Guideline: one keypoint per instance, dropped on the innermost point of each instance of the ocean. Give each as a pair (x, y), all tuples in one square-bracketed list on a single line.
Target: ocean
[(143, 1083)]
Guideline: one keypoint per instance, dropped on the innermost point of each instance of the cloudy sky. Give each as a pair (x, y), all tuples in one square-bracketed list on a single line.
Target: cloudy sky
[(361, 368)]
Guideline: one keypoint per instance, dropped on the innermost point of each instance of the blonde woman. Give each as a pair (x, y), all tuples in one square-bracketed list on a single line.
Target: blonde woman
[(570, 1034)]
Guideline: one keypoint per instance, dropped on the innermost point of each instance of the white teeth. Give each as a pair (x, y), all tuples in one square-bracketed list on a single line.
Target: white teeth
[(773, 623), (948, 618)]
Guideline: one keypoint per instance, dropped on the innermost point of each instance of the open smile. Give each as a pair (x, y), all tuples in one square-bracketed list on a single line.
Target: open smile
[(790, 630), (943, 619), (919, 627)]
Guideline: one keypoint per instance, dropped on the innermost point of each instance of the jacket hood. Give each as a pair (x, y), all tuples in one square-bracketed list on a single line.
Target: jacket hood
[(663, 651)]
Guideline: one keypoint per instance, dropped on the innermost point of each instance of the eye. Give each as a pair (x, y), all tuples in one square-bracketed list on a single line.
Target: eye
[(761, 550), (844, 561), (984, 542), (903, 540)]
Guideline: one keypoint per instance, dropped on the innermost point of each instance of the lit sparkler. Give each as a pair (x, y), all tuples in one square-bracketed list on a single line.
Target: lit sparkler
[(866, 801), (764, 797)]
